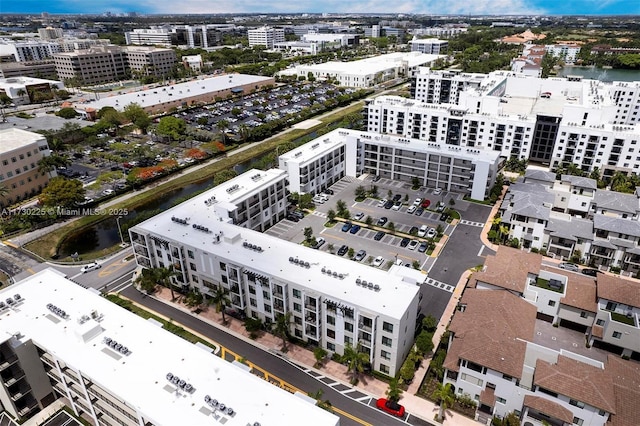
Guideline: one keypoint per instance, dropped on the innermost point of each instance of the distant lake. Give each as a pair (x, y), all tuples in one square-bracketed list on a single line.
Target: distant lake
[(601, 74)]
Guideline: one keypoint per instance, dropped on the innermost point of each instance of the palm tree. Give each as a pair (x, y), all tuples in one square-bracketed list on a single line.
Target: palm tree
[(4, 191), (56, 145), (355, 359), (394, 392), (282, 328), (163, 277), (244, 132), (444, 395), (221, 300), (146, 281), (222, 126)]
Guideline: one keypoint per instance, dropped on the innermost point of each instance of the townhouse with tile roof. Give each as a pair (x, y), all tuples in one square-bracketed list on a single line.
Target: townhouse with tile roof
[(501, 354)]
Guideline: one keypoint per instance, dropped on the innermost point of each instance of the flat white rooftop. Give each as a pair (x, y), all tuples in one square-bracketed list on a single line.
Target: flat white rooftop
[(392, 297), (11, 139), (249, 182), (175, 92), (313, 149), (140, 378), (373, 65)]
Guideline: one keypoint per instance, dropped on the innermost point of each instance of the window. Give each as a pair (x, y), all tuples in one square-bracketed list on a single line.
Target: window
[(386, 341), (297, 294), (267, 308), (583, 314), (617, 335), (600, 322), (192, 266), (576, 403), (387, 327), (552, 303), (348, 340), (384, 368), (194, 278), (331, 320), (385, 355), (190, 254), (331, 333), (501, 400), (297, 307), (577, 421), (252, 289), (331, 347), (253, 303), (348, 326), (223, 266), (297, 320)]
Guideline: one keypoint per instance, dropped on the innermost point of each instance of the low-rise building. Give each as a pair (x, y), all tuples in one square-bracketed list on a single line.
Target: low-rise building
[(431, 46), (20, 152), (35, 69), (110, 366), (265, 36), (24, 90)]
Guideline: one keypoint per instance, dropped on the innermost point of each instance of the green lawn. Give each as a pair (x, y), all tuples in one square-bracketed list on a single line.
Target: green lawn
[(623, 319), (542, 283)]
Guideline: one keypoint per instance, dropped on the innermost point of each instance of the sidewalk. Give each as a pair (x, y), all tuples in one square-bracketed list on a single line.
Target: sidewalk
[(371, 386)]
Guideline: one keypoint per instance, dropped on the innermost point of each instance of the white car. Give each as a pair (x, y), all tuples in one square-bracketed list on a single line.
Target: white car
[(359, 216), (318, 200), (108, 192), (90, 267), (432, 233), (382, 202), (413, 244), (412, 209), (378, 261), (423, 231), (396, 206), (417, 201), (437, 191)]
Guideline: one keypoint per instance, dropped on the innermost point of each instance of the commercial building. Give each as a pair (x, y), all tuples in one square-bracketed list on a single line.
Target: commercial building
[(431, 46), (35, 69), (24, 90), (150, 61), (112, 367), (149, 36), (49, 33), (332, 39), (163, 98), (189, 36), (333, 302), (97, 65), (29, 50), (446, 31), (553, 121), (265, 36), (499, 354), (20, 152), (323, 161), (366, 72)]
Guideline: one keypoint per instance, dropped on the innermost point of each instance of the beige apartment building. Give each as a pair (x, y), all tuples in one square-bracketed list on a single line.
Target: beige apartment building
[(97, 65), (150, 61), (20, 152)]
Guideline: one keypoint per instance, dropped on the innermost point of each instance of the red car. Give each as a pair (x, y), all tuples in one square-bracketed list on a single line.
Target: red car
[(390, 407), (425, 204)]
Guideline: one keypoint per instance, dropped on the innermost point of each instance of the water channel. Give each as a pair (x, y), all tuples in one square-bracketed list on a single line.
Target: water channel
[(602, 74)]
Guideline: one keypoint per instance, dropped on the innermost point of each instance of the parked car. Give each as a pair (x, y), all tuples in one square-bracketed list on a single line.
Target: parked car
[(376, 178), (397, 197), (292, 218), (419, 211), (354, 229), (361, 254), (590, 272), (90, 267), (388, 204), (440, 207), (382, 202), (569, 267), (417, 201), (437, 191), (298, 213), (329, 191), (108, 192), (405, 242), (423, 247), (411, 209), (346, 227), (396, 206), (319, 242), (444, 217), (423, 231), (390, 407), (425, 204), (378, 261), (358, 216), (432, 233), (343, 250), (379, 235), (382, 221), (318, 200), (413, 244)]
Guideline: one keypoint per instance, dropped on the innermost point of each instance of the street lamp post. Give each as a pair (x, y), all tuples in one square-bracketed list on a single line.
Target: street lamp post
[(120, 230)]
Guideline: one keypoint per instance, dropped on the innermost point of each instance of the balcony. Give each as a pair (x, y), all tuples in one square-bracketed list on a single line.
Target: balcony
[(551, 285), (624, 319)]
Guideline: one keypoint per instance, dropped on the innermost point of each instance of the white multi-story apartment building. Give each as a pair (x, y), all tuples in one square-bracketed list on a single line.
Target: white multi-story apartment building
[(20, 152), (552, 121), (28, 50), (318, 164), (265, 36), (61, 341), (498, 353), (431, 46), (160, 36), (566, 52), (446, 31), (49, 33), (337, 302), (191, 36)]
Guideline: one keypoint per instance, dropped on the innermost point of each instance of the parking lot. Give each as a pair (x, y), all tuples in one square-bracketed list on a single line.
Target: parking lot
[(463, 248)]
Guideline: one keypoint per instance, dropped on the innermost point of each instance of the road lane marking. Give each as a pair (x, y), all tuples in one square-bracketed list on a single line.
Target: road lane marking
[(111, 268)]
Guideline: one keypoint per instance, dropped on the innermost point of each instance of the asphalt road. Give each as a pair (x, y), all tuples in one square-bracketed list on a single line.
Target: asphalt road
[(269, 362)]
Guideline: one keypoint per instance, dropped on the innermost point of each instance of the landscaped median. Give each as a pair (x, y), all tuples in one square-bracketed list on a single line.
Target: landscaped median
[(48, 245)]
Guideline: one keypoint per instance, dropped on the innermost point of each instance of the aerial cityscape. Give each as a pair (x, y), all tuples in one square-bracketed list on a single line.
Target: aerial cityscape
[(320, 213)]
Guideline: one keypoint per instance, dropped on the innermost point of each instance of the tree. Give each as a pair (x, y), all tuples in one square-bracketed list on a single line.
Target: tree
[(308, 233), (221, 300), (56, 145), (172, 127), (319, 354), (163, 277), (445, 398), (282, 328), (392, 227), (110, 118), (415, 183), (350, 252), (138, 116), (424, 342), (222, 126), (52, 162), (62, 192), (244, 132), (439, 230), (415, 264), (355, 360), (331, 215), (429, 323), (66, 113), (394, 391), (146, 281), (360, 193), (331, 247), (253, 326), (4, 191)]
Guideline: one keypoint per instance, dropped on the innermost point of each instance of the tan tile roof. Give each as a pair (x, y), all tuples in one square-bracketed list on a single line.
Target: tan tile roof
[(577, 380), (488, 330), (618, 289), (549, 408), (626, 385), (488, 396), (508, 268), (581, 292)]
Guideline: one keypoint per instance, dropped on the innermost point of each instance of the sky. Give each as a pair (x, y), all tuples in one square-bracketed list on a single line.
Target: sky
[(436, 7)]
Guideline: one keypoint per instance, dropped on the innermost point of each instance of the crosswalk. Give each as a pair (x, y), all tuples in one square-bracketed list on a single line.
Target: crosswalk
[(354, 394), (470, 223), (319, 214), (440, 285)]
